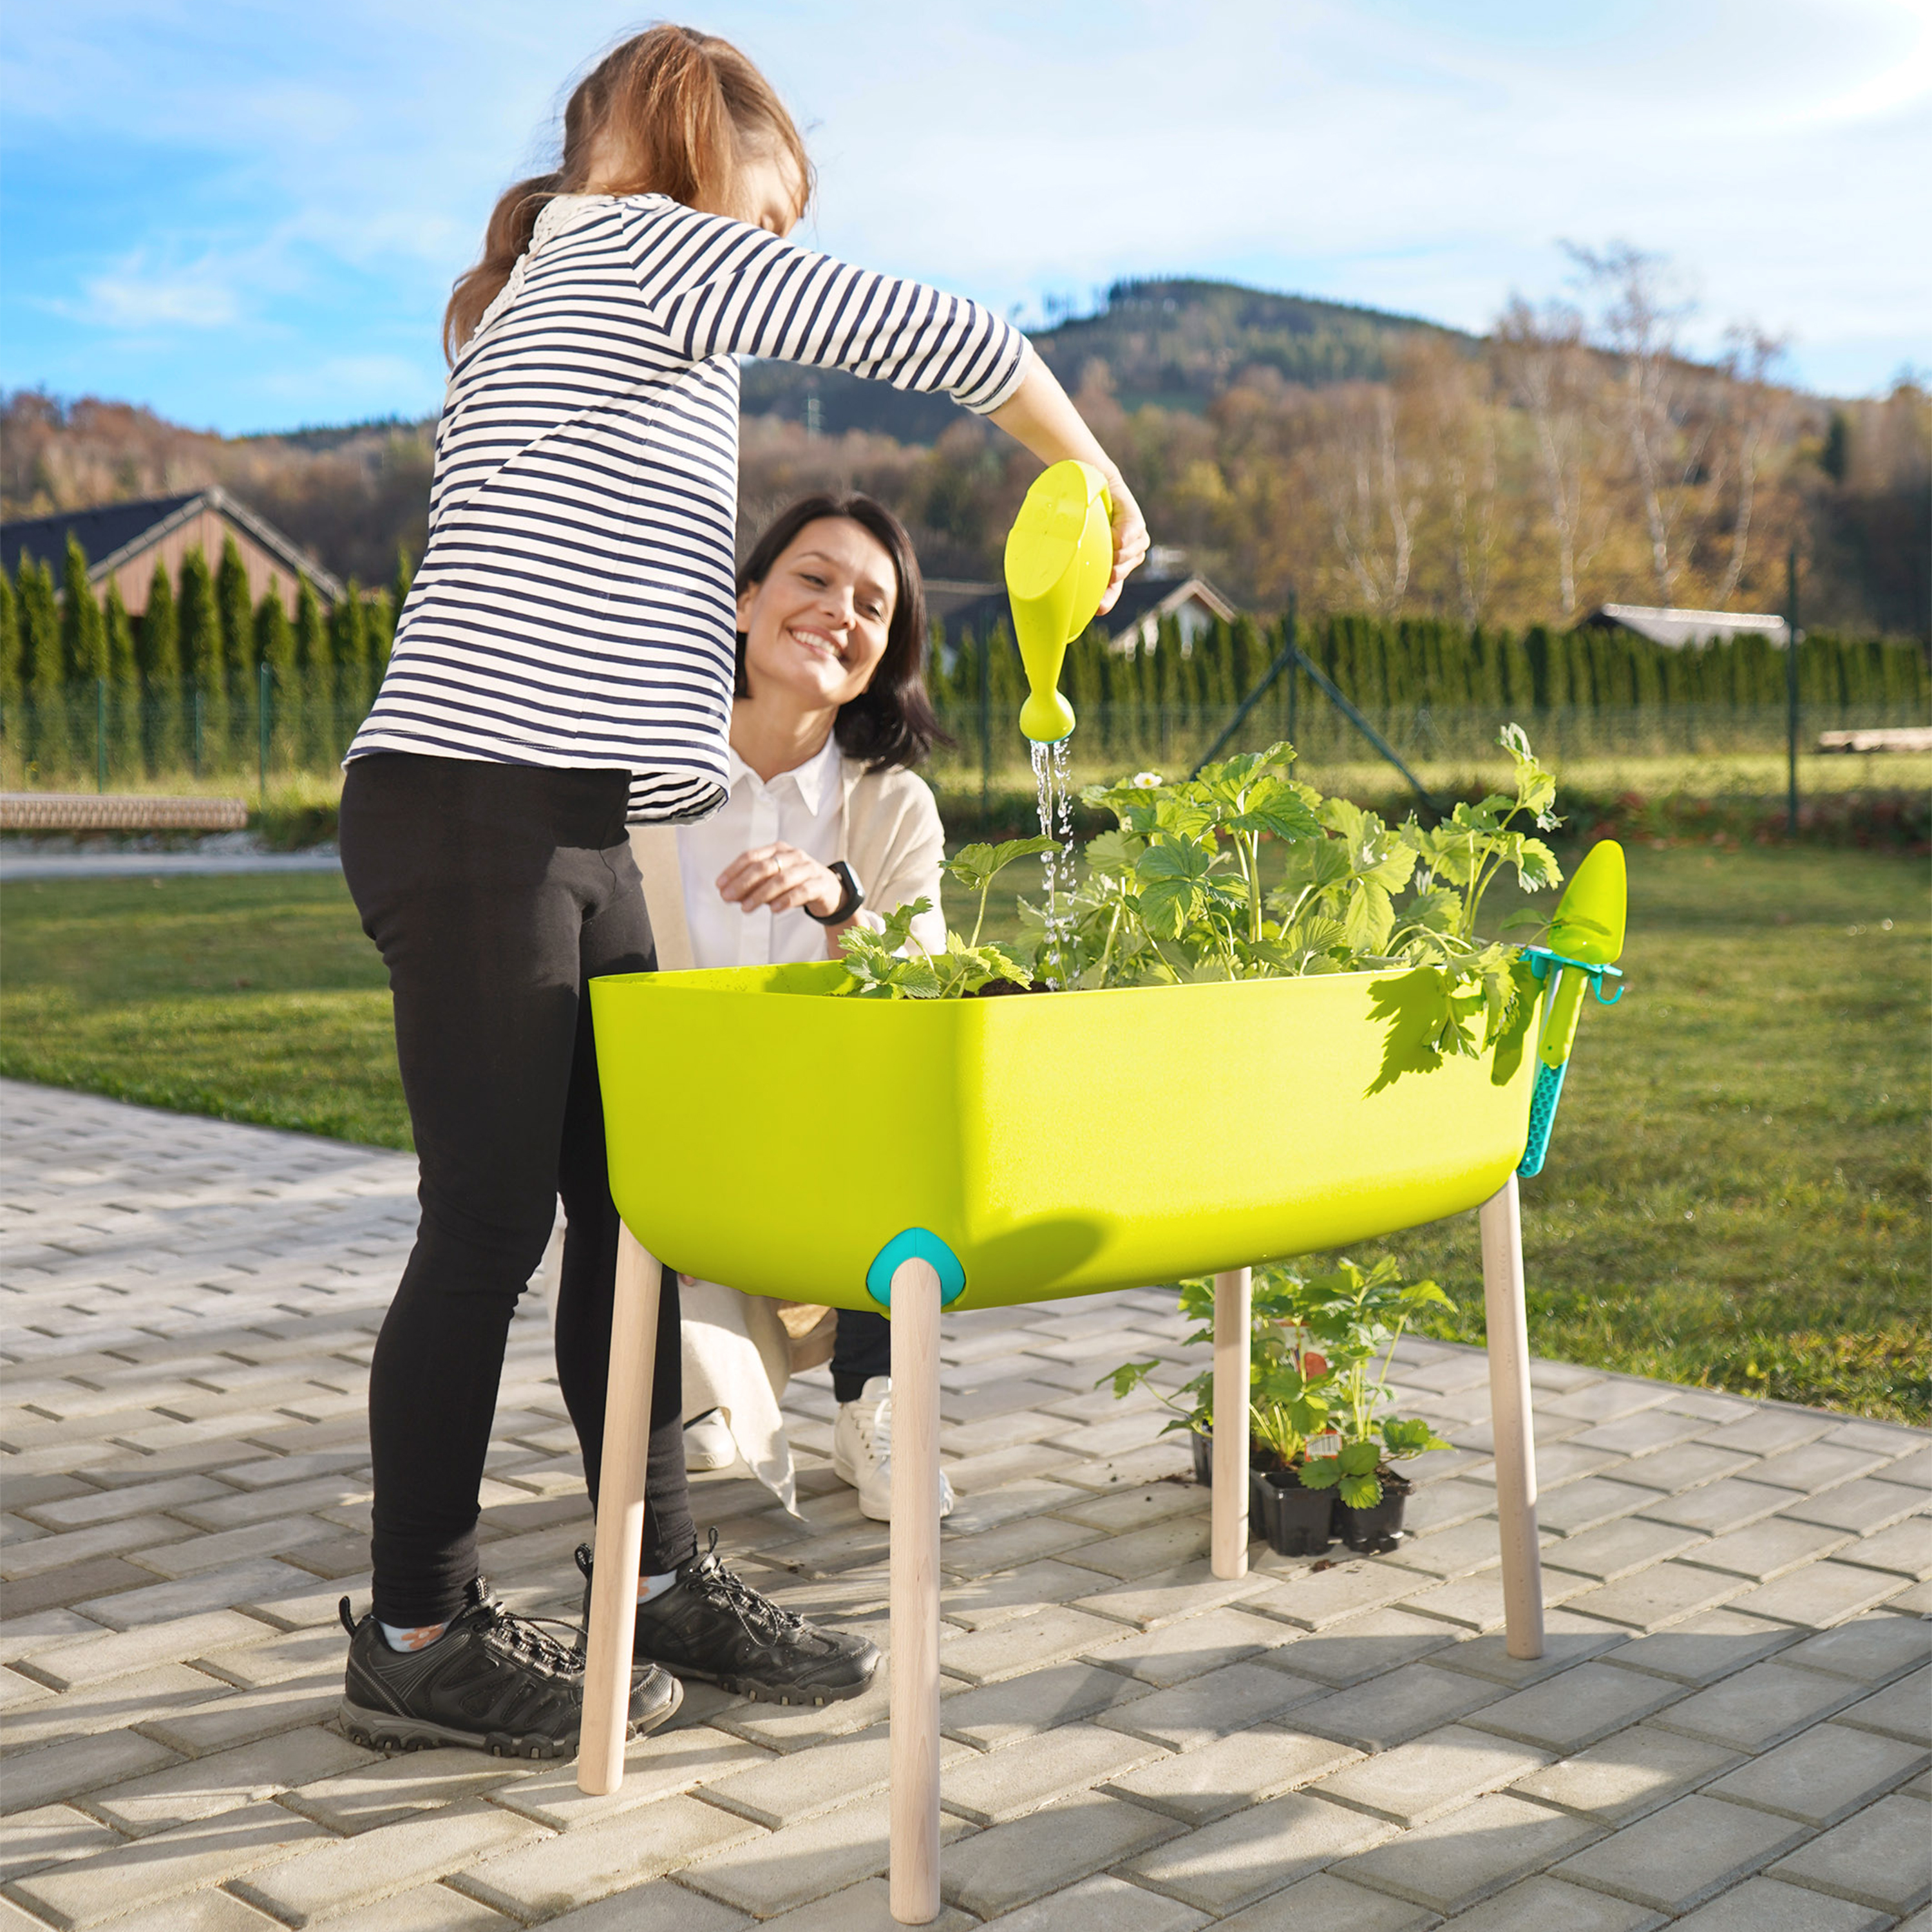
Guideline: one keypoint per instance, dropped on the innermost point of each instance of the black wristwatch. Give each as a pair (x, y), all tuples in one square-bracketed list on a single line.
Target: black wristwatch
[(853, 898)]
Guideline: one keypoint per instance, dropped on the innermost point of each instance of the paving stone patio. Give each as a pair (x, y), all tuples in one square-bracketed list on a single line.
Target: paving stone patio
[(1729, 1731)]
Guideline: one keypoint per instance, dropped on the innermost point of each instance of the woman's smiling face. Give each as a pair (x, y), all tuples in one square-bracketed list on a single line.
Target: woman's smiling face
[(817, 627)]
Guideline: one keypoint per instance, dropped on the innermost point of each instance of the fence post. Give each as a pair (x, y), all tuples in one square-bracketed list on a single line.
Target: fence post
[(1289, 626), (100, 734), (264, 686), (985, 649), (1791, 691)]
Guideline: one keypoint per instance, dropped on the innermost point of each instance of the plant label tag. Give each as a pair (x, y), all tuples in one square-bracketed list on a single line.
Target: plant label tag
[(1329, 1444)]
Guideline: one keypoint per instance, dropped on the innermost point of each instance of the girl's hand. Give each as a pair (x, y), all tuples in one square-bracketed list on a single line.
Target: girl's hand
[(780, 877), (1130, 536)]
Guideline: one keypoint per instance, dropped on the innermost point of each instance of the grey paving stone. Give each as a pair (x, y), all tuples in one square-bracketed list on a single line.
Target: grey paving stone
[(1442, 1505), (1190, 1716), (1728, 1504), (1759, 1708), (1362, 1647), (990, 1788), (322, 1879), (1165, 1598), (1394, 1707), (1570, 1712), (1870, 1648), (50, 1834), (1456, 1860), (112, 1883), (1905, 1550), (392, 1791), (1766, 1905), (1582, 1505), (668, 1762), (1431, 1774), (1639, 1435), (1316, 1600), (1822, 1593), (994, 1715), (225, 1781), (1103, 1905), (1542, 1904), (534, 1874), (1903, 1710), (1468, 1547), (1671, 1472), (1224, 1866), (1000, 1869), (1178, 1652), (1025, 1643), (1605, 1401), (1233, 1772), (1864, 1507), (1769, 1548), (1332, 1904), (1636, 1771), (205, 1911), (1816, 1466), (1916, 1469), (1613, 1549), (1701, 1649), (1677, 1858), (1567, 1639), (1666, 1593), (80, 1764), (864, 1907), (1882, 1857), (1771, 1431), (1822, 1774)]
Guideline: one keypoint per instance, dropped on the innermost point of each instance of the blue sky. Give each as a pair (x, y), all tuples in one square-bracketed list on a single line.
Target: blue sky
[(247, 216)]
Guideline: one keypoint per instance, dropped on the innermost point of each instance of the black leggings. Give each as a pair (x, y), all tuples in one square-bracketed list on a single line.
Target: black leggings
[(495, 892)]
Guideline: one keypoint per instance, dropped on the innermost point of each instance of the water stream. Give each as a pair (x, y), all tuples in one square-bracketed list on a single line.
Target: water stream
[(1053, 787)]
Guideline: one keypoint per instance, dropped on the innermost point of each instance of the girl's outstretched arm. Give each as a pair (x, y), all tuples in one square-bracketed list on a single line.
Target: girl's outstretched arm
[(1040, 415)]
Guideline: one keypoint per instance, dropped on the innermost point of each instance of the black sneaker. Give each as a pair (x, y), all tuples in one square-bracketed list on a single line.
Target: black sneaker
[(712, 1626), (492, 1681)]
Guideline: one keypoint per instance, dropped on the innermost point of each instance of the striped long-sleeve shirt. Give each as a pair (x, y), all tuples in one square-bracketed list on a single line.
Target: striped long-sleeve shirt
[(575, 603)]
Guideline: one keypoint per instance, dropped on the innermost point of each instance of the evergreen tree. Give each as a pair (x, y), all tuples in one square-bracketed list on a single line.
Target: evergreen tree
[(83, 655), (237, 610), (11, 683), (275, 654), (315, 677), (348, 653), (123, 680), (406, 571), (379, 623), (158, 650), (203, 661), (41, 671)]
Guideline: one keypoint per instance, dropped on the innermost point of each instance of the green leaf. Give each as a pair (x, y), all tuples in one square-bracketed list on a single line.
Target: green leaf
[(1360, 1492), (977, 866)]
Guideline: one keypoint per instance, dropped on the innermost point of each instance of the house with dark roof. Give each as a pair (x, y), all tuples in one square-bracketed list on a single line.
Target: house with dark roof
[(124, 541), (1675, 628), (1145, 603)]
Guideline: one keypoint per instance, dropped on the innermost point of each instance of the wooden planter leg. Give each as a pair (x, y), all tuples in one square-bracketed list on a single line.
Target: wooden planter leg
[(1230, 1508), (1509, 1416), (914, 1664), (620, 1519)]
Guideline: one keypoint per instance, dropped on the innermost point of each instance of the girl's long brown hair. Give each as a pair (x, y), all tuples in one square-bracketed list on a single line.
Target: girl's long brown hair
[(669, 111)]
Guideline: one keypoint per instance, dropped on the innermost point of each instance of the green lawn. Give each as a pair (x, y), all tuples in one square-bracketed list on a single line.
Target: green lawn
[(1736, 1193)]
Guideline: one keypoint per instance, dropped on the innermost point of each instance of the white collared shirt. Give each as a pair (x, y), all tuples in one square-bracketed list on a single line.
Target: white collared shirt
[(803, 807)]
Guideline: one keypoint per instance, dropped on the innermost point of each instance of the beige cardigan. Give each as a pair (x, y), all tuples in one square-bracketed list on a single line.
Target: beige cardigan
[(889, 833)]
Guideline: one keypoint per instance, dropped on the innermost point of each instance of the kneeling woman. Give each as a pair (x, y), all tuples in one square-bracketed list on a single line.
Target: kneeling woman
[(826, 824)]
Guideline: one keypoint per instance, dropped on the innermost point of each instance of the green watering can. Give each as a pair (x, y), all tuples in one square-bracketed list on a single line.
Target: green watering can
[(1060, 554)]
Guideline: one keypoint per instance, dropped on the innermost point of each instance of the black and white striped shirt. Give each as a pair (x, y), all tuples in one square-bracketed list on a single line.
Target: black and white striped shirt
[(575, 603)]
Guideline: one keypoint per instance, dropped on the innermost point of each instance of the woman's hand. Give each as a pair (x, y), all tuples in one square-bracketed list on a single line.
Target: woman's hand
[(780, 877), (1130, 536)]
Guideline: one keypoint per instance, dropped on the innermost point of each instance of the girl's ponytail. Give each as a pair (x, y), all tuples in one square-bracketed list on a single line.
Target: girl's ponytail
[(667, 112)]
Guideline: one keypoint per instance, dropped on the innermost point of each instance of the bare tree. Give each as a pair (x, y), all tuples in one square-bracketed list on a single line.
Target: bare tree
[(1757, 413), (1547, 368), (1666, 444), (1440, 392), (1370, 490)]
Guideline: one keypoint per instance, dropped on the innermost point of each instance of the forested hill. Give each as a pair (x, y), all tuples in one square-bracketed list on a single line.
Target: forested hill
[(1177, 344)]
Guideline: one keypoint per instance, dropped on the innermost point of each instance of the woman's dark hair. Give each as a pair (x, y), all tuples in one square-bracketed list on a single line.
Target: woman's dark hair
[(890, 722)]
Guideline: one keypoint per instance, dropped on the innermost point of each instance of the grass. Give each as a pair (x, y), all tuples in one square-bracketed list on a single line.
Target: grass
[(1735, 1195)]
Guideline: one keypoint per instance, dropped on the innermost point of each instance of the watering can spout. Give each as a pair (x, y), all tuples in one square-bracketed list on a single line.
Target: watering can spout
[(1060, 554)]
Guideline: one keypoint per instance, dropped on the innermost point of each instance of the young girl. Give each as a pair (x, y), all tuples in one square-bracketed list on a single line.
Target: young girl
[(826, 824), (563, 668)]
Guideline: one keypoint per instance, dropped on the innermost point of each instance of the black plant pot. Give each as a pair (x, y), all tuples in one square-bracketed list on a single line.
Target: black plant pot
[(1202, 1441), (1379, 1528), (1295, 1521)]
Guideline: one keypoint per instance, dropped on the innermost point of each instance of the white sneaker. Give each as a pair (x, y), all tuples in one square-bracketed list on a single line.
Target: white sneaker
[(861, 1451), (708, 1443)]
